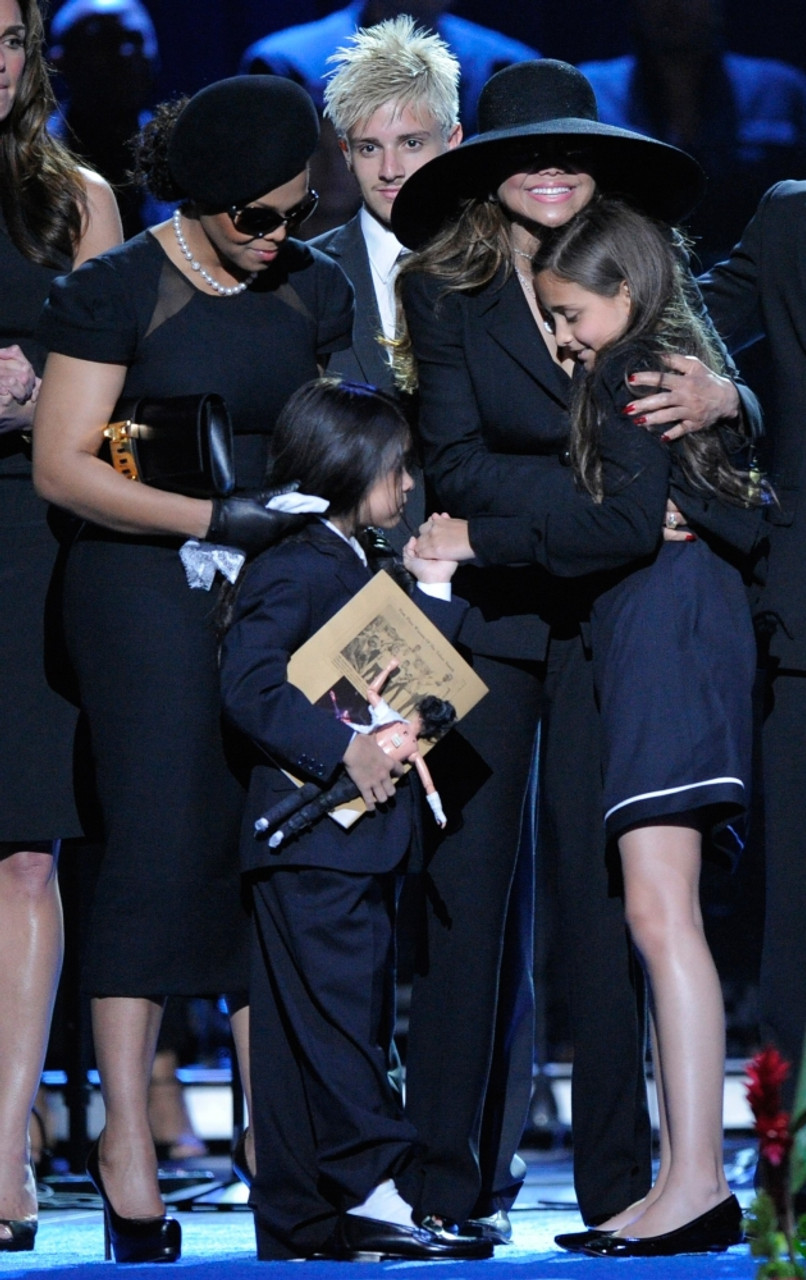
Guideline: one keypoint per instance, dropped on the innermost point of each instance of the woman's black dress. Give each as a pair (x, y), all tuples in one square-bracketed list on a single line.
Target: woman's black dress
[(167, 916), (36, 744)]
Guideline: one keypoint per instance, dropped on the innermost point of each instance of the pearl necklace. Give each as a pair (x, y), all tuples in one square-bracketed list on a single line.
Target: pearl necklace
[(226, 291)]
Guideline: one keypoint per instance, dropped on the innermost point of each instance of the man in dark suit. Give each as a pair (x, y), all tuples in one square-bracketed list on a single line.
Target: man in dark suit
[(393, 102), (759, 293)]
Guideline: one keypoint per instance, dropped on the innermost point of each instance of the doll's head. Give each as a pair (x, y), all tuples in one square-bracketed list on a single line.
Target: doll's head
[(433, 717), (348, 443)]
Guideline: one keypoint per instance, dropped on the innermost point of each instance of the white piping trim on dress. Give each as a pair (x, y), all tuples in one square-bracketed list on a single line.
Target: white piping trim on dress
[(670, 791)]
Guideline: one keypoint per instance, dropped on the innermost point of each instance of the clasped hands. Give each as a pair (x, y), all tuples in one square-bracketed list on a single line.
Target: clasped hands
[(19, 388)]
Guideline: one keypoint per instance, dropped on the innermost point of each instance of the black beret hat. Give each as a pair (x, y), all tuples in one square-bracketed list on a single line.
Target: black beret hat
[(240, 138)]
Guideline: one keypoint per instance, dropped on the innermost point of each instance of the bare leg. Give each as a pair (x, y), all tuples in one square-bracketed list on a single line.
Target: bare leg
[(125, 1031), (168, 1116), (239, 1023), (661, 880), (31, 945)]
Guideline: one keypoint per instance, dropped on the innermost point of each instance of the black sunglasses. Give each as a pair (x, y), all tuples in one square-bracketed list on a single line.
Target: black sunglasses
[(258, 220)]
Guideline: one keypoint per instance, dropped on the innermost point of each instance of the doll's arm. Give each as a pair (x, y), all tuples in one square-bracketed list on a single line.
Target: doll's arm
[(374, 689), (431, 793)]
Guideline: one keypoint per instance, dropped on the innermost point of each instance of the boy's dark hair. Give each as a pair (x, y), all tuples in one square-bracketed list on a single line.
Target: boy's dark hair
[(336, 439)]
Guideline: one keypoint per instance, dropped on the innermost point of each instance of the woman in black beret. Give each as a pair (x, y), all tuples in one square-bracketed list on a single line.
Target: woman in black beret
[(218, 299)]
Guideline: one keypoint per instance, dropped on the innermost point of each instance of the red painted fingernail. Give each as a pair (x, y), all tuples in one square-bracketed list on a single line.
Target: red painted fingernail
[(665, 439), (631, 377), (640, 421), (690, 537), (628, 408)]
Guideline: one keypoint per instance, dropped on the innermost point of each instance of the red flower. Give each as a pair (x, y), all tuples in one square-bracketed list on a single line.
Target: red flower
[(774, 1137), (766, 1073)]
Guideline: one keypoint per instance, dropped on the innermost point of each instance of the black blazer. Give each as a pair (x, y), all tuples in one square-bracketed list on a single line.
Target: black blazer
[(365, 360), (761, 291), (288, 593), (493, 428)]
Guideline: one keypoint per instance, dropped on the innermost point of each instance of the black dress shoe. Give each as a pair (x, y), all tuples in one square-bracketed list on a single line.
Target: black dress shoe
[(576, 1241), (712, 1232), (369, 1240), (495, 1227)]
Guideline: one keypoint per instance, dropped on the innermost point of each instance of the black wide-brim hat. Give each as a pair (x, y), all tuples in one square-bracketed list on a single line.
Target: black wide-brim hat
[(238, 139), (536, 110)]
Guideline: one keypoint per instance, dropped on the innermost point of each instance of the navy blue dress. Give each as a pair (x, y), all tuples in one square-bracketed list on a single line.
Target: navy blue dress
[(674, 663)]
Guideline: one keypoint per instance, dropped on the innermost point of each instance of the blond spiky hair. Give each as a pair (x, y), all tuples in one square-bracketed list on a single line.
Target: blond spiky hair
[(395, 61)]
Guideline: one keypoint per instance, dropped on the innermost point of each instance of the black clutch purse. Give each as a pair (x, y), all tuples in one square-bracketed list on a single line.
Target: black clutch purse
[(179, 443)]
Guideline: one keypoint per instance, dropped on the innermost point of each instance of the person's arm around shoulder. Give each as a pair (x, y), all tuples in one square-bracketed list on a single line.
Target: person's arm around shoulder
[(689, 396)]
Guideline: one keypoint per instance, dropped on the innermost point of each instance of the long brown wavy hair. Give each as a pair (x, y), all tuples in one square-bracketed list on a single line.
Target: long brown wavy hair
[(604, 245), (467, 253), (43, 198)]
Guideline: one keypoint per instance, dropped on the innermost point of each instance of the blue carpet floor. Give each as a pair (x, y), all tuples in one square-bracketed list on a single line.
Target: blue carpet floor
[(218, 1243)]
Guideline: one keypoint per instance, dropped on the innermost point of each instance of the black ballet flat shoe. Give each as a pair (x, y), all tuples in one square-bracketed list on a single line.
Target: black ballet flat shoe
[(23, 1233), (134, 1239), (240, 1164), (365, 1239), (577, 1241), (712, 1232)]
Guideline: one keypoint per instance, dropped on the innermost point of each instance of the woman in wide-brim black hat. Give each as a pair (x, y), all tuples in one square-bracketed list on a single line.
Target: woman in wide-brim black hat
[(493, 392), (528, 114)]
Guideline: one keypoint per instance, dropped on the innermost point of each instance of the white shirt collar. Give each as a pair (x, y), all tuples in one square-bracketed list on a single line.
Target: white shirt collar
[(351, 542), (383, 246)]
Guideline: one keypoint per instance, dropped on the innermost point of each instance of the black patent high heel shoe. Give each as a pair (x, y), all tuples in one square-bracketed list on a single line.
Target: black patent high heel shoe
[(240, 1164), (134, 1239), (22, 1230)]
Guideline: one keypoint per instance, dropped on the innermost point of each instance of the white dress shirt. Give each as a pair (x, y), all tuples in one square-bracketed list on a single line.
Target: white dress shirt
[(384, 250)]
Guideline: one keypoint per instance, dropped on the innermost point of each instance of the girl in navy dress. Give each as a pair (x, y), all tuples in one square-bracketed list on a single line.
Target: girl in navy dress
[(674, 660), (330, 1134)]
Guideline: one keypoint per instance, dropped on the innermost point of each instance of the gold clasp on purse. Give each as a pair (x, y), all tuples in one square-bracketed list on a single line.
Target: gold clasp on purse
[(121, 454)]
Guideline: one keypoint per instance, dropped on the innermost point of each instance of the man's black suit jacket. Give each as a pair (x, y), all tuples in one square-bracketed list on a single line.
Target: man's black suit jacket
[(761, 291), (365, 360), (289, 592)]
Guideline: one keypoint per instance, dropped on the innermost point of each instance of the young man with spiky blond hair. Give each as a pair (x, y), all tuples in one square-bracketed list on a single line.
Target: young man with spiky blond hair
[(393, 101)]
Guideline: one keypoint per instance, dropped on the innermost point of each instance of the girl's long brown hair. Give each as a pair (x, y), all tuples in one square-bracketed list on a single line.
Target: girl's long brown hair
[(606, 244)]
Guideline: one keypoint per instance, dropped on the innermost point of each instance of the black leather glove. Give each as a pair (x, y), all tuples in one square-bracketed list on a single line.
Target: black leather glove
[(245, 523)]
